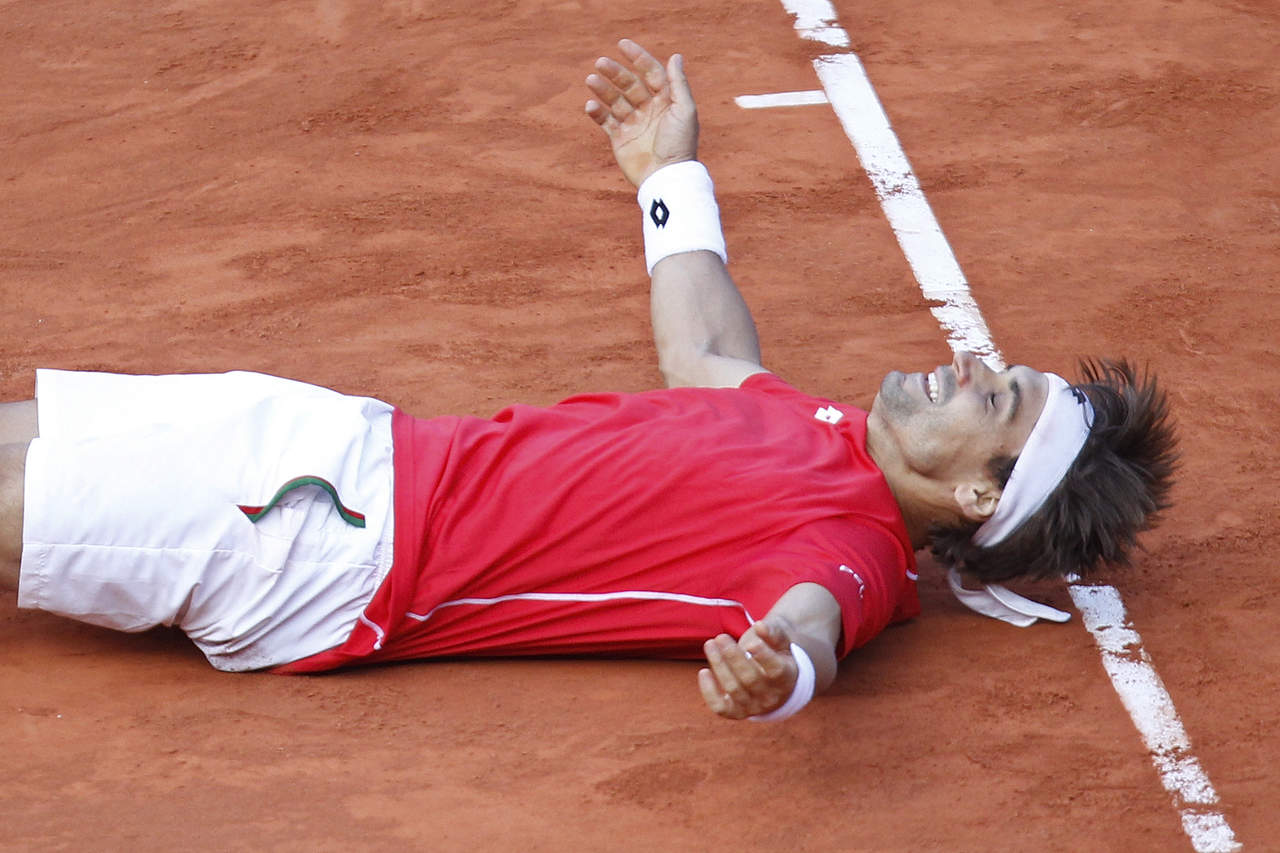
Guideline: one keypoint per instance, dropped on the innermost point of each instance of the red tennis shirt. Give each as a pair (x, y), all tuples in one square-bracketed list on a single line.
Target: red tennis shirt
[(631, 524)]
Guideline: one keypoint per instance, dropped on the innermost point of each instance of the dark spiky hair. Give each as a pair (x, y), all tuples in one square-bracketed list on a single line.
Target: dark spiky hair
[(1116, 488)]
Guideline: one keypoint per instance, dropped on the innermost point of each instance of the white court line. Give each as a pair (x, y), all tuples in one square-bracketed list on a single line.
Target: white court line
[(921, 238), (782, 99), (935, 267), (816, 21), (1153, 713)]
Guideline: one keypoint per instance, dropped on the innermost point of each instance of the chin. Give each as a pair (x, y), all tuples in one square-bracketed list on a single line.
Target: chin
[(892, 382), (893, 399)]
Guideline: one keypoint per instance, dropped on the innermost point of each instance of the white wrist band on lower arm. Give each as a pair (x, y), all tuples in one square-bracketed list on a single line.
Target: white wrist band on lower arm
[(806, 682), (680, 213)]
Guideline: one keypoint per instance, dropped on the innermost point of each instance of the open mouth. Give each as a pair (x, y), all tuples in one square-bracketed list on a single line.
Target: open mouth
[(931, 384)]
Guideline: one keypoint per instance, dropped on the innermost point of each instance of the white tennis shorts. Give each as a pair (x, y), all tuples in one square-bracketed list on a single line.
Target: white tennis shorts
[(140, 497)]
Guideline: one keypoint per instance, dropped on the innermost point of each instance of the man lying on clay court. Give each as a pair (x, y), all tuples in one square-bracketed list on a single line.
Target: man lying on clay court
[(284, 525)]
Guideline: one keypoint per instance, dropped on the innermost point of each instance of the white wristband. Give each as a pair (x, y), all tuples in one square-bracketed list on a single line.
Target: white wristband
[(678, 203), (806, 681)]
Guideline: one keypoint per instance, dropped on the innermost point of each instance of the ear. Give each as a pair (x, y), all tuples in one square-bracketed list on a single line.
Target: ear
[(977, 500)]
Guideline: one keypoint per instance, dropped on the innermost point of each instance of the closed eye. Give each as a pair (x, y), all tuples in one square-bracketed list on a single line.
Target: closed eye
[(1016, 390)]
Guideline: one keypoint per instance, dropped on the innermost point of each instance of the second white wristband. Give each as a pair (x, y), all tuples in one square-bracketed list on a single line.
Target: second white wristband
[(678, 203), (806, 684)]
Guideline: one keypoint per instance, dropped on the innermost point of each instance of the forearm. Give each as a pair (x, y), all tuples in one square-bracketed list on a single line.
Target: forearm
[(699, 317), (702, 328)]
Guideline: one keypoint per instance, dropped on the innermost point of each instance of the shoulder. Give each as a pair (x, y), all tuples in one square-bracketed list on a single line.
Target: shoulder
[(772, 385)]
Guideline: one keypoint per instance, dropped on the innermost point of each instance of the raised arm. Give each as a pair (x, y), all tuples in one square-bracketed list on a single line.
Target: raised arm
[(702, 329)]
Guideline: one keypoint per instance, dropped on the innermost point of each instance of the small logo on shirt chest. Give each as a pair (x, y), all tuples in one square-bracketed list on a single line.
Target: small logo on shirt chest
[(829, 414)]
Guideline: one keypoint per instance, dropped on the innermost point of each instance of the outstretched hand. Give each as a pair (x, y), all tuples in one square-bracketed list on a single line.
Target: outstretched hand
[(751, 676), (646, 110)]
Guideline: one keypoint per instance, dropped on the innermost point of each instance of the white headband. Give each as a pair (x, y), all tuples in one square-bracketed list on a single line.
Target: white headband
[(1053, 445)]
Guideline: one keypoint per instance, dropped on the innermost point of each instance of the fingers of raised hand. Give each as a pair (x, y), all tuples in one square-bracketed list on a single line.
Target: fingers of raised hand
[(680, 92), (651, 70), (618, 87), (600, 114), (601, 107)]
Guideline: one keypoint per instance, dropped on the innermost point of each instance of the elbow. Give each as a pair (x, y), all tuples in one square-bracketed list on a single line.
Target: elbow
[(674, 375), (682, 366)]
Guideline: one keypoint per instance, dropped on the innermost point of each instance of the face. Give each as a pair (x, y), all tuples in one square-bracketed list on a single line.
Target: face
[(947, 424)]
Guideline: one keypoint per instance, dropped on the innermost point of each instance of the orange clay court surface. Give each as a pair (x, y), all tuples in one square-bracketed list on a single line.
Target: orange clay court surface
[(404, 199)]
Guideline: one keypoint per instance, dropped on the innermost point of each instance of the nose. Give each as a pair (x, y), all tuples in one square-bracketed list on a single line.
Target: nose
[(967, 366)]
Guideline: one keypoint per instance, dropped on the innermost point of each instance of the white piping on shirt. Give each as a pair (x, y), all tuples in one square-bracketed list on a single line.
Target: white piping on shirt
[(639, 594), (377, 629)]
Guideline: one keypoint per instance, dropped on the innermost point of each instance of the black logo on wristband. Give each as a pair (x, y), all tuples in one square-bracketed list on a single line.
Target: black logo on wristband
[(658, 213)]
